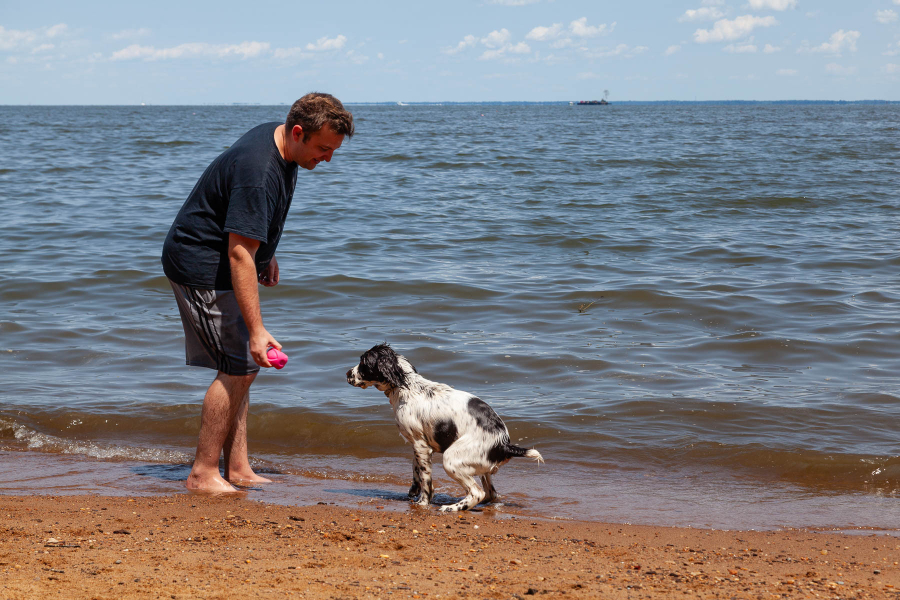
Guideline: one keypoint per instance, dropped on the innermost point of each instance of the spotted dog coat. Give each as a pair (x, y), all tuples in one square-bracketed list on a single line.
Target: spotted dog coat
[(434, 417)]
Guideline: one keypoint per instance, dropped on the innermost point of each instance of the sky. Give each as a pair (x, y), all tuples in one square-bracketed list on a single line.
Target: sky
[(201, 52)]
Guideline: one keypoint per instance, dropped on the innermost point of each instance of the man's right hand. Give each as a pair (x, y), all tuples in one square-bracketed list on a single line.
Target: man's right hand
[(259, 345)]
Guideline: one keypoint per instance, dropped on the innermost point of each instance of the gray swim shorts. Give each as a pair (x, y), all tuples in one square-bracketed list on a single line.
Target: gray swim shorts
[(215, 334)]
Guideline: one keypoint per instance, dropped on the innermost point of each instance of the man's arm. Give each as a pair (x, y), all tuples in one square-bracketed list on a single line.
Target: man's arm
[(241, 256)]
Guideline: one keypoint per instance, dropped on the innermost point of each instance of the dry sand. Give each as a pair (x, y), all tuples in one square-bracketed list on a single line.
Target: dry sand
[(192, 546)]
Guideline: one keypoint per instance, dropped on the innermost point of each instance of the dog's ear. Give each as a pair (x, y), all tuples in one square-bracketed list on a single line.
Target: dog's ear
[(389, 367)]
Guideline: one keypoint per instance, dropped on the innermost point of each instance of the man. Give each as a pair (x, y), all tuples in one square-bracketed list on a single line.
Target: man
[(220, 246)]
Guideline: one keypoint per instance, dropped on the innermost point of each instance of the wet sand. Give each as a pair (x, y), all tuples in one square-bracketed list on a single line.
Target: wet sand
[(193, 546)]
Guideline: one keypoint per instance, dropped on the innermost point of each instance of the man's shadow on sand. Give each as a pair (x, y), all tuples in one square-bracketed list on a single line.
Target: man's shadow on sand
[(178, 473)]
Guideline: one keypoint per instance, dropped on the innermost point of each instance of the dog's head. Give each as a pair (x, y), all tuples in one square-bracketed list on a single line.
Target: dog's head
[(382, 367)]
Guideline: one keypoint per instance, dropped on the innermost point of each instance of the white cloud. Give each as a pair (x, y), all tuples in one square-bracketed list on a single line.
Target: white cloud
[(520, 48), (467, 42), (893, 50), (14, 39), (357, 58), (563, 37), (770, 49), (580, 28), (840, 40), (545, 34), (885, 16), (497, 42), (295, 53), (514, 2), (701, 14), (725, 30), (496, 38), (891, 68), (672, 49), (786, 72), (380, 56), (56, 30), (772, 4), (326, 43), (126, 34), (11, 38), (713, 2), (746, 48), (43, 48), (190, 50), (622, 50), (836, 69)]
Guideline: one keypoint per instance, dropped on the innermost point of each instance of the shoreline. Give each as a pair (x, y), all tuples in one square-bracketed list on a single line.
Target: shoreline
[(200, 546), (559, 494)]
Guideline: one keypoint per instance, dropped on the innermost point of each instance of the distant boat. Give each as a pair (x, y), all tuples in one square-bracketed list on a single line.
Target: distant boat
[(402, 104), (592, 103)]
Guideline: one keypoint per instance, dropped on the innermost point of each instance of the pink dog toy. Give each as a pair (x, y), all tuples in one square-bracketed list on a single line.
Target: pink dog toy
[(277, 358)]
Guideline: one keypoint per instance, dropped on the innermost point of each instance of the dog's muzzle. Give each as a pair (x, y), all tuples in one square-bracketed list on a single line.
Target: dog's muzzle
[(354, 380)]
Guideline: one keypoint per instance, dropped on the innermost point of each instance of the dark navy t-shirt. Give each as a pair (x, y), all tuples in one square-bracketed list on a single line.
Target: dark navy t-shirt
[(246, 190)]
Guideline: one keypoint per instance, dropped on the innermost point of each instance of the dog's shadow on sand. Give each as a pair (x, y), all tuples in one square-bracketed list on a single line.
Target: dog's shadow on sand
[(437, 500)]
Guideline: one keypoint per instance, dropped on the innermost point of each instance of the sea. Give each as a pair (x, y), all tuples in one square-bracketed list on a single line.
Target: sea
[(692, 310)]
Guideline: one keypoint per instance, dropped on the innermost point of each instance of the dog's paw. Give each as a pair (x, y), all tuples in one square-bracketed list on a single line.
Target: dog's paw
[(450, 508)]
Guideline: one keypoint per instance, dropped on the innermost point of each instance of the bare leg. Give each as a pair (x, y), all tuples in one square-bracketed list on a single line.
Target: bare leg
[(220, 406), (237, 463)]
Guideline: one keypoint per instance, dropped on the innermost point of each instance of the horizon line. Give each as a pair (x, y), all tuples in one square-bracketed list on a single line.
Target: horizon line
[(476, 102)]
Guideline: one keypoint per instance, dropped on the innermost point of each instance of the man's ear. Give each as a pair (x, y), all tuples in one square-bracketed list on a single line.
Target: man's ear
[(296, 133)]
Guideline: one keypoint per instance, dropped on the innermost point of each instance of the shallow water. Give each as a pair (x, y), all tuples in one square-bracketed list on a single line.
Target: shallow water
[(692, 311)]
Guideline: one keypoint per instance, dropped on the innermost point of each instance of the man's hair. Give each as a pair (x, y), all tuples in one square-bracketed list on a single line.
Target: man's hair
[(315, 110)]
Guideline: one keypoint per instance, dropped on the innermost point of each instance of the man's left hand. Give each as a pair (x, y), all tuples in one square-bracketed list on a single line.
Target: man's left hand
[(269, 276)]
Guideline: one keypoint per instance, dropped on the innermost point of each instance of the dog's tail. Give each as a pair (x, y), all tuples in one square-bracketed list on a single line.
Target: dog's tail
[(513, 451)]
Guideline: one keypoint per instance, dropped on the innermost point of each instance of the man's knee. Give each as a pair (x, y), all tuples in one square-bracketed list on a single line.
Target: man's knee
[(237, 383)]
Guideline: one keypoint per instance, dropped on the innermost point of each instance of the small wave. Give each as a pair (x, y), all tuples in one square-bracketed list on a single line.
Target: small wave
[(43, 442), (440, 165), (809, 468), (172, 143)]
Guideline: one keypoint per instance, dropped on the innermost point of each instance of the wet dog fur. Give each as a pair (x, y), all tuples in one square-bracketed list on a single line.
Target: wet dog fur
[(434, 417)]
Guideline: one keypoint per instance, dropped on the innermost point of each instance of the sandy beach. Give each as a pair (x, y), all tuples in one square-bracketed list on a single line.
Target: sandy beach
[(195, 546)]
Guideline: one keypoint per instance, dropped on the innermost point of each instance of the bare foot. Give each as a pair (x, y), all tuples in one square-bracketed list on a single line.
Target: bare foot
[(210, 483), (247, 477)]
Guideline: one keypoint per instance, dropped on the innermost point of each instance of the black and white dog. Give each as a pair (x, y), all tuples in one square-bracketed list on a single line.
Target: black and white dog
[(434, 417)]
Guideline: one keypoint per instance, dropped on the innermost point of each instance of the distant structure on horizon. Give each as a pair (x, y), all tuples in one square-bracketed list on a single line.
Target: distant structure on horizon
[(603, 102)]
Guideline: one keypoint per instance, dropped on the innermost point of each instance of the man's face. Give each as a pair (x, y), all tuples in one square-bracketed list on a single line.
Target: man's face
[(320, 146)]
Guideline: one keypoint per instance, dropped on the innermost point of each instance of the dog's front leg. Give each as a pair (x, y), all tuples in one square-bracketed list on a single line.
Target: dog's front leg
[(422, 485), (416, 486)]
